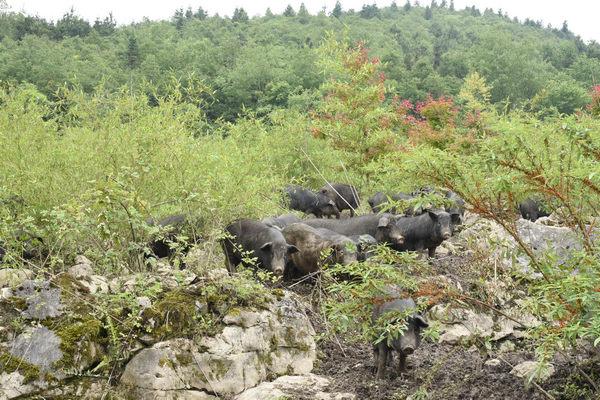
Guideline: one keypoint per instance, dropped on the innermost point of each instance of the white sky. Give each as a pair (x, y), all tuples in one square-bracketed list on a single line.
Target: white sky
[(582, 15)]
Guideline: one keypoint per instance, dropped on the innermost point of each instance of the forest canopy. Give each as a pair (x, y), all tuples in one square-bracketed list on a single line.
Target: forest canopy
[(265, 63)]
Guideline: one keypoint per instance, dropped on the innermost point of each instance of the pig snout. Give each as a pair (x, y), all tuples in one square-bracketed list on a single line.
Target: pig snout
[(408, 342), (278, 265), (277, 269), (397, 238), (446, 234)]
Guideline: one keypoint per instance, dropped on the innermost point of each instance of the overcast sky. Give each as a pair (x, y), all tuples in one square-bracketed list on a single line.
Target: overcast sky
[(582, 15)]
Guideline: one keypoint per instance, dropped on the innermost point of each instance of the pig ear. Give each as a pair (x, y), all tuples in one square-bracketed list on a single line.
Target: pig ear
[(432, 214), (383, 222), (267, 246), (455, 218), (291, 249), (420, 321)]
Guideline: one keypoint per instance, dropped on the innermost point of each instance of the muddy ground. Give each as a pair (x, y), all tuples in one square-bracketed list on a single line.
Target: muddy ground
[(448, 372)]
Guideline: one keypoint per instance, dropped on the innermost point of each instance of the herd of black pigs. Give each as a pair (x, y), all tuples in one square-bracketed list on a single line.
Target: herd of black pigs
[(294, 248)]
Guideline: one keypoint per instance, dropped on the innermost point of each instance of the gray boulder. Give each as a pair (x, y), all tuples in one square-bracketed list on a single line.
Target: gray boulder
[(487, 235), (12, 277), (38, 346), (252, 346), (292, 387), (43, 301)]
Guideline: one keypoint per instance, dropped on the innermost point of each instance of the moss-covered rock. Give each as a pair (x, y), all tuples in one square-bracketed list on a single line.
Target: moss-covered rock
[(255, 344)]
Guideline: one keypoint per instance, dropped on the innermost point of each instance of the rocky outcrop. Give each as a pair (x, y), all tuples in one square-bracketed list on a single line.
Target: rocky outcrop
[(193, 337), (10, 277), (292, 387), (253, 345), (461, 324), (533, 370), (505, 252), (38, 346)]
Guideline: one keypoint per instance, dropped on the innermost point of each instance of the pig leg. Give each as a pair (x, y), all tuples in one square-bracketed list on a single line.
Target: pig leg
[(375, 356), (431, 251), (381, 360), (402, 362), (351, 212)]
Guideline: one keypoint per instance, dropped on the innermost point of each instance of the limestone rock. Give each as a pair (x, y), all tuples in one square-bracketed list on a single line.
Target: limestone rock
[(252, 346), (454, 334), (561, 240), (494, 362), (12, 277), (42, 300), (38, 346), (82, 269), (143, 394), (505, 252), (305, 386), (533, 370), (12, 385)]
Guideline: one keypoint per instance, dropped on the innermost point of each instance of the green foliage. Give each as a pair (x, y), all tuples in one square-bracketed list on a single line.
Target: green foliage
[(101, 166), (247, 107), (564, 96), (557, 160), (257, 64), (475, 94), (354, 116), (354, 289)]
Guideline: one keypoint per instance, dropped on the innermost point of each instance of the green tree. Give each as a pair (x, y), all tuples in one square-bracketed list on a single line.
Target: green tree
[(269, 13), (428, 13), (407, 5), (240, 15), (369, 11), (337, 10), (26, 25), (200, 14), (71, 25), (564, 95), (303, 15), (289, 11), (451, 5), (475, 94), (105, 27), (132, 55), (179, 19), (354, 116)]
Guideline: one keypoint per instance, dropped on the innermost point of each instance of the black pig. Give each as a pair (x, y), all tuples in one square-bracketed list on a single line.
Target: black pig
[(426, 231), (312, 242), (265, 243), (379, 200), (408, 342), (532, 209), (344, 196), (309, 202), (282, 221), (171, 226), (383, 227)]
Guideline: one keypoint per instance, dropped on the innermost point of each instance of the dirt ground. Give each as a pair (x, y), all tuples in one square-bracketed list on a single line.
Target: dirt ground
[(444, 371)]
